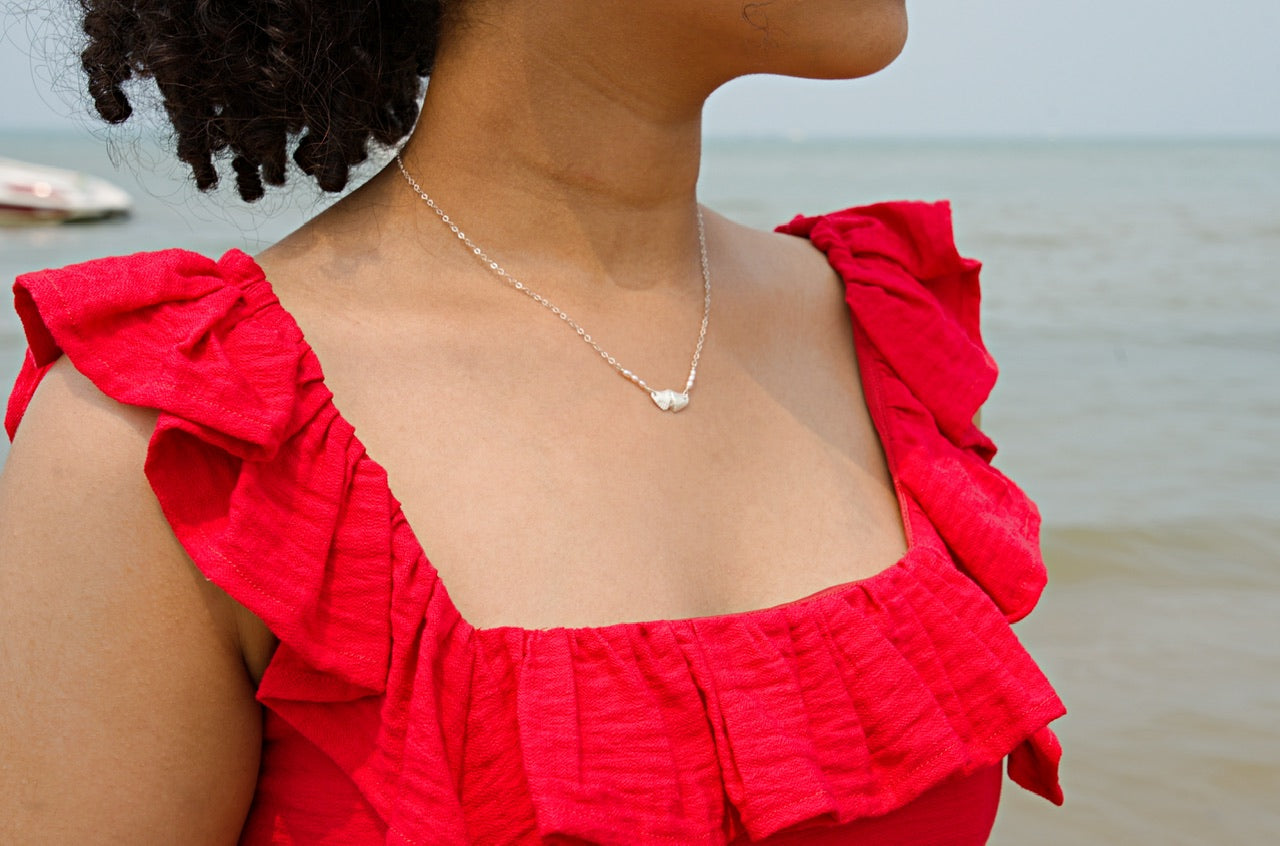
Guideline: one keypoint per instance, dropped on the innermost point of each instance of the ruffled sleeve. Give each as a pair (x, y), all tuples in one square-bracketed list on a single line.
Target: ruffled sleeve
[(904, 272), (249, 460), (915, 302)]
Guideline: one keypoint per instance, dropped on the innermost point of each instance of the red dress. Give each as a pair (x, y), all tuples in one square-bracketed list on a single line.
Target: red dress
[(876, 711)]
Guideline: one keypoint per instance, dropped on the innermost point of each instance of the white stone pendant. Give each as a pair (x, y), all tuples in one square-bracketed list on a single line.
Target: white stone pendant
[(670, 400)]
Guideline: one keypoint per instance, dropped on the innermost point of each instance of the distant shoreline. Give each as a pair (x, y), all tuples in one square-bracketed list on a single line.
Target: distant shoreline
[(89, 130)]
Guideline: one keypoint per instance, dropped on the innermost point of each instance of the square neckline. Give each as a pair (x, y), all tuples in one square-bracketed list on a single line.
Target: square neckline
[(869, 380)]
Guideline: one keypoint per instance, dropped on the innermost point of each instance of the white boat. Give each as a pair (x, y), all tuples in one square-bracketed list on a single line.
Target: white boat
[(31, 193)]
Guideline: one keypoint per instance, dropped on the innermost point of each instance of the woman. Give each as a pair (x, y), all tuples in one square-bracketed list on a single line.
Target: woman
[(738, 571)]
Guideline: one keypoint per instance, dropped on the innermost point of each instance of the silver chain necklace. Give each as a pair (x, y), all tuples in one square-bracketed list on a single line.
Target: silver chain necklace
[(666, 399)]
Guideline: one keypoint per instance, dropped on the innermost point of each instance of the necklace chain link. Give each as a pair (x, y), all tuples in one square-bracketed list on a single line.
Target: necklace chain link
[(667, 400)]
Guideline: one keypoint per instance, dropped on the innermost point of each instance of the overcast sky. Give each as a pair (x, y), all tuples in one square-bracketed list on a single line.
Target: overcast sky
[(971, 68)]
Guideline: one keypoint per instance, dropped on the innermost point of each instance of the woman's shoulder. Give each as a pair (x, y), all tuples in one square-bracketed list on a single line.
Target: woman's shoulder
[(121, 348), (916, 300), (110, 627), (905, 247), (242, 429), (120, 312), (168, 367), (129, 279), (171, 330)]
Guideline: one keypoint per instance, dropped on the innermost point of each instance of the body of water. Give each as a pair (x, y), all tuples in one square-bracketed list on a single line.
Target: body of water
[(1132, 300)]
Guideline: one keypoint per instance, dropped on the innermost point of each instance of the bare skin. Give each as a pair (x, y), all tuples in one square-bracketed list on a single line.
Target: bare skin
[(545, 489), (127, 716)]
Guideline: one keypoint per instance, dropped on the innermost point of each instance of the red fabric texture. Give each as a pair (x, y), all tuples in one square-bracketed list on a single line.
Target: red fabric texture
[(854, 714)]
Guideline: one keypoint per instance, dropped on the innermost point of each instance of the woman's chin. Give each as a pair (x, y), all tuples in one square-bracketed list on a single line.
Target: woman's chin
[(861, 48)]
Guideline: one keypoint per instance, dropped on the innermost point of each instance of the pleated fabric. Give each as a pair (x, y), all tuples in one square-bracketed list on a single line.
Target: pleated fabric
[(390, 719)]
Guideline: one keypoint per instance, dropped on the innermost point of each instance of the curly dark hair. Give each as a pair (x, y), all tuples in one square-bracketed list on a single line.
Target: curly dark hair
[(244, 79)]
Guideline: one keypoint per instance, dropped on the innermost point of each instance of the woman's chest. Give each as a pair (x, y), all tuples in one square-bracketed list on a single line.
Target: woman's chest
[(548, 494)]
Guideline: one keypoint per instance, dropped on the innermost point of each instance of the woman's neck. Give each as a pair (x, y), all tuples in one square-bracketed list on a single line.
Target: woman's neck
[(562, 158)]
